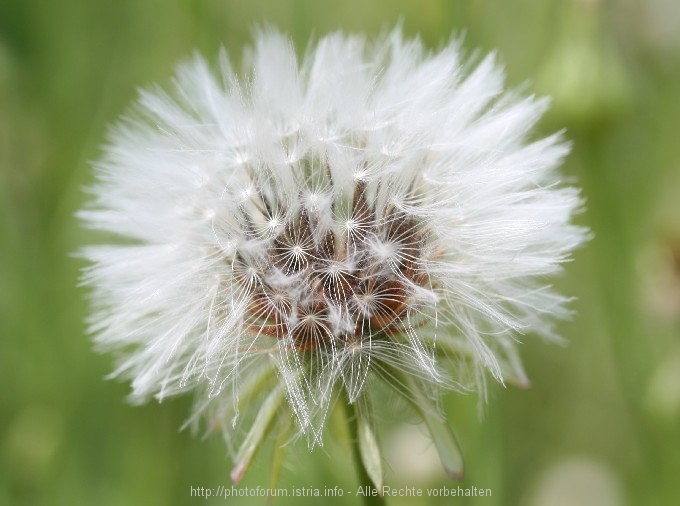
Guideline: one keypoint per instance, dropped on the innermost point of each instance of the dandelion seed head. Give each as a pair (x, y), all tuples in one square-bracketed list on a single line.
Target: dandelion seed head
[(369, 208)]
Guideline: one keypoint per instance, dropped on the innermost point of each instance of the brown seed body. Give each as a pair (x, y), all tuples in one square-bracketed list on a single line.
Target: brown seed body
[(355, 280)]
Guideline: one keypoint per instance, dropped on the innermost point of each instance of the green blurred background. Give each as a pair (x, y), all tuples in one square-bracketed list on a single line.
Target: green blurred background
[(601, 425)]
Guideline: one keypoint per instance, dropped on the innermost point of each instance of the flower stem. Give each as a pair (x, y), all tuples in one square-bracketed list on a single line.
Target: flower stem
[(365, 481)]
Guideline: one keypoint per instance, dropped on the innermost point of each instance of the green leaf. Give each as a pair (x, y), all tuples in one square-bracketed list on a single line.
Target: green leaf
[(449, 452), (445, 442), (279, 453), (256, 435), (255, 384), (511, 369), (369, 450)]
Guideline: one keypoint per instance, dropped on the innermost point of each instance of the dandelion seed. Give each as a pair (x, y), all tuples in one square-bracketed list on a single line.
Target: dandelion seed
[(373, 213)]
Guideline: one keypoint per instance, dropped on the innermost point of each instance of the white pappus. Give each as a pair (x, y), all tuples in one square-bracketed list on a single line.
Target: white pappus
[(374, 212)]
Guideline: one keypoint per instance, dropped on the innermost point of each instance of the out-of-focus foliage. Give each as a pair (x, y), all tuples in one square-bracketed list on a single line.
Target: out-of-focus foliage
[(600, 426)]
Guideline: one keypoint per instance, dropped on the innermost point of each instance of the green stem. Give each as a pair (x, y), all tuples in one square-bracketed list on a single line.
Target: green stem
[(364, 479)]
